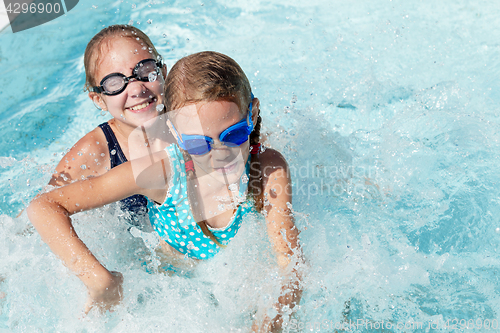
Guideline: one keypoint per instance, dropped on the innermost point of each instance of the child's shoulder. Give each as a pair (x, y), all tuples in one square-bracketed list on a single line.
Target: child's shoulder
[(93, 143), (88, 157), (272, 160), (276, 180)]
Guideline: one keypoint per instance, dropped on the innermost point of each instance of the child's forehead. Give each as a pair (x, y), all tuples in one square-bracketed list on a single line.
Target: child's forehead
[(197, 115), (217, 110), (123, 44), (118, 49), (184, 114)]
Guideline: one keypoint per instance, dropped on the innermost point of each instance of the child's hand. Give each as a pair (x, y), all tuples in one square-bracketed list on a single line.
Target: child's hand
[(268, 325), (106, 297)]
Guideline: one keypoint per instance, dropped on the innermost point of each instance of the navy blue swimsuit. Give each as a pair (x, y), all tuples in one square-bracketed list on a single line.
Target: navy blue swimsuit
[(136, 204)]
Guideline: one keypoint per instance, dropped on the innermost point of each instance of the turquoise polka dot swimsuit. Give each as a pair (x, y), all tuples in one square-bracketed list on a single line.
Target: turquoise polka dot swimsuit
[(174, 221)]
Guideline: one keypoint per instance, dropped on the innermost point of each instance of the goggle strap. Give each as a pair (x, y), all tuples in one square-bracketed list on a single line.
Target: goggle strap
[(172, 129)]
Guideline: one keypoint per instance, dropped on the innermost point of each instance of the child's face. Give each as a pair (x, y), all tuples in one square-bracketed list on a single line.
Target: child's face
[(137, 103), (211, 119)]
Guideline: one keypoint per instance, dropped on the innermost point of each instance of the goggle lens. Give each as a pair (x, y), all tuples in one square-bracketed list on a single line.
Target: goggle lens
[(146, 71), (236, 138), (197, 146), (114, 84)]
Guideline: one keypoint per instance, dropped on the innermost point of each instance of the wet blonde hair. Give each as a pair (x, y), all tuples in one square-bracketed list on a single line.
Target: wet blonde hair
[(94, 51), (207, 77)]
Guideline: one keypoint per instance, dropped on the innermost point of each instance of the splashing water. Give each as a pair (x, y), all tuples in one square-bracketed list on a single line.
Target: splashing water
[(152, 77), (387, 114)]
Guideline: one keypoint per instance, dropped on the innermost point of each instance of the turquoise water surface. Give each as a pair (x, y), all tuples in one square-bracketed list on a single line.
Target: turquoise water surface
[(387, 112)]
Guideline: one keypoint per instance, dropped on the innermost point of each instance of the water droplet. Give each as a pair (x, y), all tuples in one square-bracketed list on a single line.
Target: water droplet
[(160, 107), (150, 21), (164, 35), (233, 187), (131, 22), (111, 235), (221, 207), (244, 179), (83, 167), (152, 77), (113, 152), (102, 154), (134, 5)]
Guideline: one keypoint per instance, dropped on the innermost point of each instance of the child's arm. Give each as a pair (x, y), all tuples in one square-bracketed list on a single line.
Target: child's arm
[(87, 158), (50, 215), (282, 232)]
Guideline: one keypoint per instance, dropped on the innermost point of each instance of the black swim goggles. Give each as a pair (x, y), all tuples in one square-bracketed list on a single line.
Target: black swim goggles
[(146, 70)]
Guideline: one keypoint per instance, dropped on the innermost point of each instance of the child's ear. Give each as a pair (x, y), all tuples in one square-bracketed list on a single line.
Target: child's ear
[(98, 101), (255, 109), (164, 71)]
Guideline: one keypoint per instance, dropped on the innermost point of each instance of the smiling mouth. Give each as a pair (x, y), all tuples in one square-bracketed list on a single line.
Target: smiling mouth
[(141, 106)]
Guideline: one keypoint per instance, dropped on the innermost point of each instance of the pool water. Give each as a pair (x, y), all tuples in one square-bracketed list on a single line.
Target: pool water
[(387, 114)]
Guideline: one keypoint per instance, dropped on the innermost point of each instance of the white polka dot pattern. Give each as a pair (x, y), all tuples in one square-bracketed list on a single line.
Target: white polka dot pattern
[(186, 233)]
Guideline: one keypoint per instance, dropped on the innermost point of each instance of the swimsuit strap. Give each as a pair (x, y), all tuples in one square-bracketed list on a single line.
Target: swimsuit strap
[(118, 157), (136, 204)]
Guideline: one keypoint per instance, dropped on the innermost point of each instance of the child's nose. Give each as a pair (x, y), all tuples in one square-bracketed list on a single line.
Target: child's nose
[(220, 151), (136, 87)]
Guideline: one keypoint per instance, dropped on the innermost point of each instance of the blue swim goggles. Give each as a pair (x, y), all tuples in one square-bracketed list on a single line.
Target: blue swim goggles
[(234, 136)]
